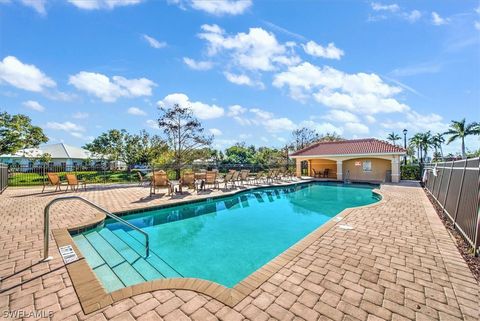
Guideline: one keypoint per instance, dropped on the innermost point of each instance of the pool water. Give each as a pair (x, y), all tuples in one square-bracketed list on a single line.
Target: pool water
[(222, 240)]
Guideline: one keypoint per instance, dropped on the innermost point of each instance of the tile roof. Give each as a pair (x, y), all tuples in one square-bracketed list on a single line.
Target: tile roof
[(347, 147)]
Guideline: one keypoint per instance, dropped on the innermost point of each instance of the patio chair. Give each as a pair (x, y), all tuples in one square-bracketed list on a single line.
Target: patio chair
[(141, 179), (74, 183), (228, 179), (235, 178), (315, 173), (244, 176), (188, 180), (257, 178), (160, 180), (326, 172), (270, 175), (211, 179), (54, 180)]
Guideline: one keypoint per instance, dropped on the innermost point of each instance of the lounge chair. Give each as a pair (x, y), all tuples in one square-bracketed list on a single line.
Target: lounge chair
[(160, 180), (257, 178), (244, 176), (211, 179), (228, 179), (54, 180), (235, 177), (188, 180), (74, 183)]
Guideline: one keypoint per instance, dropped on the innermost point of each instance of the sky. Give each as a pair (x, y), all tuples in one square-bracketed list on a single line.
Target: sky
[(251, 71)]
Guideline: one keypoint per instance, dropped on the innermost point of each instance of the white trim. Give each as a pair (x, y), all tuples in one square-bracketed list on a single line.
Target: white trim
[(347, 155)]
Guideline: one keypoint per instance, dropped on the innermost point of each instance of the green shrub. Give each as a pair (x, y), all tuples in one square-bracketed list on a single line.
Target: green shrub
[(411, 172)]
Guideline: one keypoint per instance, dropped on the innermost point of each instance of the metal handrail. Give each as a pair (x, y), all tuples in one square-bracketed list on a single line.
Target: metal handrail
[(46, 224)]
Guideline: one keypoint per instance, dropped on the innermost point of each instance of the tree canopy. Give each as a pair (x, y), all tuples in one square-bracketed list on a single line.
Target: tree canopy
[(17, 133), (119, 145), (184, 134)]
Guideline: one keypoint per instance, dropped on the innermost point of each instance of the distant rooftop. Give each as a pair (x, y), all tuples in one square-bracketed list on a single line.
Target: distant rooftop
[(59, 150), (350, 147)]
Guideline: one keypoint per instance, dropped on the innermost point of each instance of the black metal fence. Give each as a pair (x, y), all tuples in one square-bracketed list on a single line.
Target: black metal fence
[(37, 175), (455, 186), (3, 177)]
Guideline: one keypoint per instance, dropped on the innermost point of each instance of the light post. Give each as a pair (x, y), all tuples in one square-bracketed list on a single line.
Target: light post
[(405, 144)]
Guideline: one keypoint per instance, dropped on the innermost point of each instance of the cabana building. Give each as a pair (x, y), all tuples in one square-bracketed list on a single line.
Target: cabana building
[(368, 160)]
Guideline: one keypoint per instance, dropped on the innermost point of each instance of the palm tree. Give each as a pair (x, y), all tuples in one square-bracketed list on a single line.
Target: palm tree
[(393, 138), (460, 130), (437, 141), (426, 143), (416, 142)]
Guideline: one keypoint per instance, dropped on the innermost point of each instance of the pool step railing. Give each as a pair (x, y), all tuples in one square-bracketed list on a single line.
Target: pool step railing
[(46, 223)]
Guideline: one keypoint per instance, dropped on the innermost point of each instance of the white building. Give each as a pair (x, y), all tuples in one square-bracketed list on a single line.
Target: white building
[(62, 155)]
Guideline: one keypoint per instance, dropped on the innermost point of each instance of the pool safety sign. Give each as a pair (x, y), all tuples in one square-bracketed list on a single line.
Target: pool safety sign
[(68, 254), (358, 163)]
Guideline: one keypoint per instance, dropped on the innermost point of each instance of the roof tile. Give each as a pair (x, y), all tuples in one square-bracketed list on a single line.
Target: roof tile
[(347, 147)]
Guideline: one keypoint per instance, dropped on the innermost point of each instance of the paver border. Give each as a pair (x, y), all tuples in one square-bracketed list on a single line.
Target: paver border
[(92, 295)]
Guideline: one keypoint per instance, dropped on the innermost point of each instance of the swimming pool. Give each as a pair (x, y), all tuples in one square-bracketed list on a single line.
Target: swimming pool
[(222, 239)]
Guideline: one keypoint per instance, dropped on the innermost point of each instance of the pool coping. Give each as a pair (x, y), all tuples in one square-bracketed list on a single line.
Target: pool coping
[(92, 295)]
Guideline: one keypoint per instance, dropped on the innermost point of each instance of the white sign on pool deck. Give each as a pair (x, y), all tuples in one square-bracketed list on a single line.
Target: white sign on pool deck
[(68, 254)]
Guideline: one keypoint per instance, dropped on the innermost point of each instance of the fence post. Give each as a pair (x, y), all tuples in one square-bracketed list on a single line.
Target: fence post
[(448, 188), (476, 243), (459, 194)]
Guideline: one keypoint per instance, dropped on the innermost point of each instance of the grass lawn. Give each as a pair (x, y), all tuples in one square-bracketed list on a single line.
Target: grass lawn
[(31, 179)]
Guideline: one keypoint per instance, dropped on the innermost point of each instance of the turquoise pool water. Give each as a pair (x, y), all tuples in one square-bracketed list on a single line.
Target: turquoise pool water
[(221, 240)]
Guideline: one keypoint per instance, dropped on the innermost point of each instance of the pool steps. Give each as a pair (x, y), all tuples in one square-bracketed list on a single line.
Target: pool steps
[(117, 258)]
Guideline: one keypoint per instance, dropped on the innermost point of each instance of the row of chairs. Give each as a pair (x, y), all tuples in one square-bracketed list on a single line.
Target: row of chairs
[(201, 180), (72, 182)]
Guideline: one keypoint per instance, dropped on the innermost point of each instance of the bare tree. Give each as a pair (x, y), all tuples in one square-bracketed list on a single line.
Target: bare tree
[(184, 134)]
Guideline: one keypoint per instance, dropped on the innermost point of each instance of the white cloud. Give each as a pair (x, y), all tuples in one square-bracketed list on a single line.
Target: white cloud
[(340, 116), (37, 5), (437, 20), (412, 16), (370, 119), (136, 111), (238, 79), (197, 65), (34, 105), (80, 115), (243, 80), (416, 122), (357, 93), (102, 4), (109, 90), (236, 110), (321, 128), (376, 6), (477, 25), (215, 131), (65, 126), (329, 52), (357, 128), (257, 50), (154, 43), (199, 109), (152, 124), (23, 76), (216, 7)]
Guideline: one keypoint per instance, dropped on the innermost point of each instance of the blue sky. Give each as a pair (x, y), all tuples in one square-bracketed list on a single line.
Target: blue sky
[(250, 70)]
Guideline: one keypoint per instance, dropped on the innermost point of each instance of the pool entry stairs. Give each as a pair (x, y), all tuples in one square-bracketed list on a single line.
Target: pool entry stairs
[(118, 258)]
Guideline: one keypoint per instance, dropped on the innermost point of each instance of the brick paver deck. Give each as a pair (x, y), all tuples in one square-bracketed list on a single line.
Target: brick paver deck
[(397, 263)]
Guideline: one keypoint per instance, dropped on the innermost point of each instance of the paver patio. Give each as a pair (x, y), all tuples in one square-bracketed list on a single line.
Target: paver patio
[(397, 263)]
